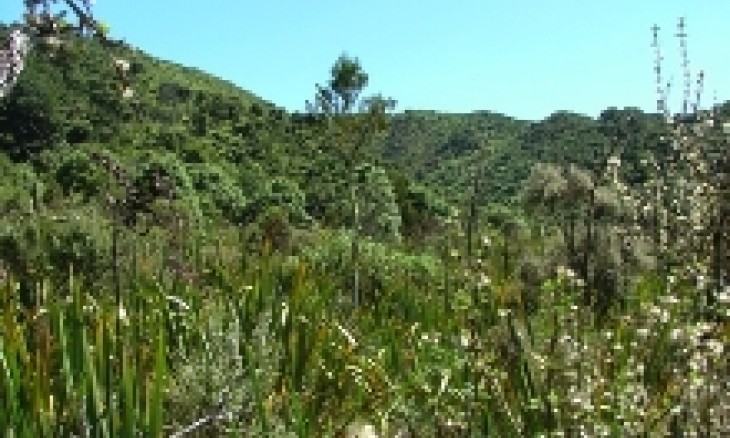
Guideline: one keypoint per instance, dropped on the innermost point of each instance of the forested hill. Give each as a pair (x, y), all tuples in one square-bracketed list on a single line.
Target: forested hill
[(239, 156)]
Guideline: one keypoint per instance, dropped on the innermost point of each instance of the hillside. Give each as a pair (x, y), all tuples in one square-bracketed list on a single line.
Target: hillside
[(238, 151)]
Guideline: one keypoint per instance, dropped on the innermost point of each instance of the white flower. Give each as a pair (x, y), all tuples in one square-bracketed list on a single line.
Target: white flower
[(562, 271), (614, 161), (486, 241), (53, 41), (359, 430), (670, 299), (178, 301), (465, 338), (700, 282), (123, 315), (726, 128), (724, 296), (121, 64), (715, 346), (351, 339), (675, 334), (484, 281), (284, 313), (444, 382)]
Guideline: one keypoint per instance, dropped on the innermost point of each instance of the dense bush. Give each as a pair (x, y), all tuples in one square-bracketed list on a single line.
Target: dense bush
[(218, 191), (31, 119), (162, 175), (78, 172), (379, 262), (48, 246), (283, 193)]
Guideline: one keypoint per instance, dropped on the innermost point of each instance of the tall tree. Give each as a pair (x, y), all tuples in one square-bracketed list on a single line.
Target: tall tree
[(352, 123)]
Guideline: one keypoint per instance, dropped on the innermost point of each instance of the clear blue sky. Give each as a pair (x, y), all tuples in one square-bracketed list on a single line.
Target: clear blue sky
[(523, 58)]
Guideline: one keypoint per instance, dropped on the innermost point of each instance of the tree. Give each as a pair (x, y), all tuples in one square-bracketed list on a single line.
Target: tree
[(43, 24), (31, 118), (348, 129)]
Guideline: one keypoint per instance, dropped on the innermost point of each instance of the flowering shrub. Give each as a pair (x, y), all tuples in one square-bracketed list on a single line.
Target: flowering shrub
[(43, 24)]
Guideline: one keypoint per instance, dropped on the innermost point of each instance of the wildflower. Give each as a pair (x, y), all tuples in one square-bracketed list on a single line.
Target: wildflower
[(42, 311), (486, 241), (724, 296), (121, 64), (465, 338), (715, 346), (178, 301), (284, 313), (414, 327), (351, 339), (670, 299), (564, 272), (123, 315), (360, 430), (444, 382), (700, 282), (675, 334), (484, 281), (53, 41)]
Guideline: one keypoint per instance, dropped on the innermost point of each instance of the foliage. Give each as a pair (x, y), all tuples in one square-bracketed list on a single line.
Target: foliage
[(161, 175), (219, 190), (78, 172), (30, 118), (282, 193)]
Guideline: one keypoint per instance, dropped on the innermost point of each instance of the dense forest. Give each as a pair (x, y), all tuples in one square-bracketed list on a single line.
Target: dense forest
[(455, 274)]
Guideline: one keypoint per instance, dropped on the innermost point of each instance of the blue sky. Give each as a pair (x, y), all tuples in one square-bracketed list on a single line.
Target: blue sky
[(523, 58)]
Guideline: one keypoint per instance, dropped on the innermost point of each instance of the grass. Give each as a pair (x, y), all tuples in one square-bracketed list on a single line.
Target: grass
[(268, 352)]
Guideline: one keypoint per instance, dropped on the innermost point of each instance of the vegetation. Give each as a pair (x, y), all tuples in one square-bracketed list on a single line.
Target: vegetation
[(179, 262)]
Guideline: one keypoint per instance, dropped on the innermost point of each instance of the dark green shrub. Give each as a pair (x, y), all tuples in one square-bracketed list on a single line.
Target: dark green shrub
[(380, 264), (273, 226), (218, 191), (79, 173), (283, 193), (47, 247), (31, 119), (162, 175)]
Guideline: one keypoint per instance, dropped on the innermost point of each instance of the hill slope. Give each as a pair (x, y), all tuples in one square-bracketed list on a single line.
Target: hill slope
[(242, 155)]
